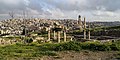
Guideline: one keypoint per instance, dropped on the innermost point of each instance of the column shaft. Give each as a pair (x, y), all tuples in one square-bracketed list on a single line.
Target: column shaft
[(58, 36), (64, 36), (48, 35)]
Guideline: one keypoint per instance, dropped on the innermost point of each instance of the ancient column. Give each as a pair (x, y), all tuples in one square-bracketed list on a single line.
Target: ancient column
[(84, 29), (48, 34), (89, 32), (64, 36), (0, 41), (54, 35), (58, 36), (71, 39)]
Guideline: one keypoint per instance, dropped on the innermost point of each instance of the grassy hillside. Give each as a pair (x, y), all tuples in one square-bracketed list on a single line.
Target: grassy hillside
[(34, 50), (105, 28)]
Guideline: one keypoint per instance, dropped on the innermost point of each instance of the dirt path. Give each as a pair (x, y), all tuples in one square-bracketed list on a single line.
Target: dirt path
[(84, 55)]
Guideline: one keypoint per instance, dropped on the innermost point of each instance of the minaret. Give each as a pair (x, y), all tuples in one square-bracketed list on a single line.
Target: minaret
[(89, 31), (79, 20), (80, 23), (84, 28)]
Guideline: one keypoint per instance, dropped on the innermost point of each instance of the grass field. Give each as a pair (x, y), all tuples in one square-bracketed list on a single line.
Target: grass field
[(34, 50)]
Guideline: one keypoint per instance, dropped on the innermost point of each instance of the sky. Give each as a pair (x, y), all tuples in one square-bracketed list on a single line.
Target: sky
[(93, 10)]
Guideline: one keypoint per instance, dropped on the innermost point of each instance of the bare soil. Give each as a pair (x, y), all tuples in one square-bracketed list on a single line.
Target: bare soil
[(83, 55)]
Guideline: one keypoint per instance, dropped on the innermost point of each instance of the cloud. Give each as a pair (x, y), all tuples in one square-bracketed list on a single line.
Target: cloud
[(92, 9), (11, 5)]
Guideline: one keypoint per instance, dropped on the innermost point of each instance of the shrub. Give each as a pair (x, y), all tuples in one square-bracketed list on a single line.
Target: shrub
[(103, 47), (96, 47), (68, 46), (115, 47), (48, 46), (28, 40)]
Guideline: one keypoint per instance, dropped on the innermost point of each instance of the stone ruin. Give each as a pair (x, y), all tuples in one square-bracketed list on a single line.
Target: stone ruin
[(57, 29), (83, 28), (7, 42)]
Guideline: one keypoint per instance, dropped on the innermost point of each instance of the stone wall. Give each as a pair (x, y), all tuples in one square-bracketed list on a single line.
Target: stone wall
[(8, 41)]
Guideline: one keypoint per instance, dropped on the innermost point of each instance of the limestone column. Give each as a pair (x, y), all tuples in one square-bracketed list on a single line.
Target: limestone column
[(84, 29), (64, 36), (89, 32), (0, 41), (49, 34), (54, 35), (71, 39), (58, 36)]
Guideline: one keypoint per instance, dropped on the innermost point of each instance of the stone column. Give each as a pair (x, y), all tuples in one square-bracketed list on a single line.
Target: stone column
[(89, 32), (49, 34), (58, 36), (0, 41), (54, 35), (64, 36), (84, 29), (71, 39)]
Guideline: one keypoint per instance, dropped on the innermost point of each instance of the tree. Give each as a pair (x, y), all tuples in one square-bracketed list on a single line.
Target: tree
[(12, 14)]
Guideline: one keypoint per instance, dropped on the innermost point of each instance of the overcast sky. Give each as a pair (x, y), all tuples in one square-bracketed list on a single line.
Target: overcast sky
[(93, 10)]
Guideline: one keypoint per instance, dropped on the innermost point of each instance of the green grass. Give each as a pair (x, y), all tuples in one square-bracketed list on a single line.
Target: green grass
[(22, 50), (38, 50), (105, 28)]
